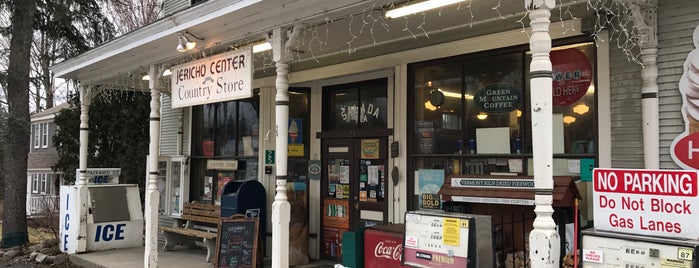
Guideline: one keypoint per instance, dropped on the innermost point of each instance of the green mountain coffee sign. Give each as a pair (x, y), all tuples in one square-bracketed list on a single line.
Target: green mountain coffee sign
[(498, 98)]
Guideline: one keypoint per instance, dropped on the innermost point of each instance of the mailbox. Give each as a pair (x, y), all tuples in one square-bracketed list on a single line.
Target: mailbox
[(247, 198), (113, 213)]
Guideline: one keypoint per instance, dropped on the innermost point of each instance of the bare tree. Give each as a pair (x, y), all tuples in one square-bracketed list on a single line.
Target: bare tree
[(129, 15)]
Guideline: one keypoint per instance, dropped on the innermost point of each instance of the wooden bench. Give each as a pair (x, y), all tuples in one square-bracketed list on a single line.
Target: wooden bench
[(201, 222)]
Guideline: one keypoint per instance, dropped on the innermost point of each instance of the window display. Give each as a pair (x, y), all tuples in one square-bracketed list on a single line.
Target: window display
[(224, 131), (471, 112)]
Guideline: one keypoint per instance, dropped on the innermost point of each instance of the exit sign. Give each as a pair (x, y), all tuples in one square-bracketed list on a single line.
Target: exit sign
[(269, 157)]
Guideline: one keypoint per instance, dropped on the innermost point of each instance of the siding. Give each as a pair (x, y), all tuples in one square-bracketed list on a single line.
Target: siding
[(168, 128), (626, 127), (173, 6), (675, 26)]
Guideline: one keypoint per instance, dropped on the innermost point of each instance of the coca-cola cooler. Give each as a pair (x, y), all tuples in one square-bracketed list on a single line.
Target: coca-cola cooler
[(383, 246)]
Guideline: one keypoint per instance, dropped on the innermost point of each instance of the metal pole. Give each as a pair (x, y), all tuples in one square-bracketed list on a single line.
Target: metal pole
[(544, 241)]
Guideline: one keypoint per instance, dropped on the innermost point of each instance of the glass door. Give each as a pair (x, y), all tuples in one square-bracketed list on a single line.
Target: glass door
[(353, 189), (335, 184)]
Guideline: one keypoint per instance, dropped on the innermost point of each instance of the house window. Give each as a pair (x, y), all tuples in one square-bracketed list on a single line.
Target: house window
[(43, 187), (45, 135), (37, 134), (35, 183)]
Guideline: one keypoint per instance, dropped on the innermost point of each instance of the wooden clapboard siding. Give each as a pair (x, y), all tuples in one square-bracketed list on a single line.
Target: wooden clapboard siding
[(676, 23), (626, 128), (172, 6), (168, 128)]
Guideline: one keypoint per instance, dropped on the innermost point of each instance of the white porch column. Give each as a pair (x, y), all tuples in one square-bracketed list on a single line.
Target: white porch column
[(645, 17), (152, 200), (281, 210), (544, 241), (86, 93)]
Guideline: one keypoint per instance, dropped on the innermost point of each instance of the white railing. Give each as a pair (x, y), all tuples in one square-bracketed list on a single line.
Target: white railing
[(37, 204)]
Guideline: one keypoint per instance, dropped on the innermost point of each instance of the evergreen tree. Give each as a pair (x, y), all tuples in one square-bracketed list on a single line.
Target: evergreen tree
[(119, 135)]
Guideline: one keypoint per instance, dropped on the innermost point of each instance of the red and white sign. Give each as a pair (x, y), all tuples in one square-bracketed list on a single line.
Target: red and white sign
[(685, 151), (572, 75), (647, 202), (591, 255), (382, 248)]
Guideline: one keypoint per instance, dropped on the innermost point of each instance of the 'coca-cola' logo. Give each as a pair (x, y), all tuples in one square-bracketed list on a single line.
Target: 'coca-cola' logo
[(388, 252)]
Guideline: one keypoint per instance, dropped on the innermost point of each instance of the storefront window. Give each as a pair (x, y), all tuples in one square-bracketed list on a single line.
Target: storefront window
[(471, 113), (574, 109), (227, 132), (356, 105)]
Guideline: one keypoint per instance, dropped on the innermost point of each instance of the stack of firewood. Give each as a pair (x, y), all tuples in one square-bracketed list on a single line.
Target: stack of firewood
[(568, 261), (517, 260)]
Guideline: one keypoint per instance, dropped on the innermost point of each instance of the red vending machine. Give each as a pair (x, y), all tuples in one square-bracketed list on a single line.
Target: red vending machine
[(383, 246)]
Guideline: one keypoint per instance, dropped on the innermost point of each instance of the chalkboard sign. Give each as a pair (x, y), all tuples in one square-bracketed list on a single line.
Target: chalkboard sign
[(237, 242)]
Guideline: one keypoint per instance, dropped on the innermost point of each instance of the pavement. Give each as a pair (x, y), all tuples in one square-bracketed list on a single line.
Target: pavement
[(180, 257)]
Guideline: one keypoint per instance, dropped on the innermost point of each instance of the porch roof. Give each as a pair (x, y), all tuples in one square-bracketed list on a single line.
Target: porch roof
[(333, 32)]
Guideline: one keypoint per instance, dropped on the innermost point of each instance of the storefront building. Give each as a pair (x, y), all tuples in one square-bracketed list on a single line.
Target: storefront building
[(378, 106)]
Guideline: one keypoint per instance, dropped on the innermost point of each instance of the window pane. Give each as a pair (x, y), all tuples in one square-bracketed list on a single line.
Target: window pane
[(373, 104), (37, 133), (43, 184), (438, 108), (343, 112), (494, 96), (203, 134), (227, 113), (574, 104), (35, 183), (45, 135), (299, 122), (248, 115)]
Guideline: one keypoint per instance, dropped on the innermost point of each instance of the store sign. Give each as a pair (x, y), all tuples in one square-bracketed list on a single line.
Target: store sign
[(223, 77), (222, 164), (591, 255), (498, 98), (647, 202), (350, 112), (100, 175), (572, 75), (68, 220), (493, 183), (383, 248), (685, 151)]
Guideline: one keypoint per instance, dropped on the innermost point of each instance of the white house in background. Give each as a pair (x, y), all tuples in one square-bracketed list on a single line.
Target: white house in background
[(42, 182)]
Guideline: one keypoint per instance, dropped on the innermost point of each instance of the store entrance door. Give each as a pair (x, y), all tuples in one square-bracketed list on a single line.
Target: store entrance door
[(353, 188)]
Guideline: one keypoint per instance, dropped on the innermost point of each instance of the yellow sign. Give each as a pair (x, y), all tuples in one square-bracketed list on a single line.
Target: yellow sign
[(672, 263), (295, 149), (685, 254), (451, 231), (370, 149)]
